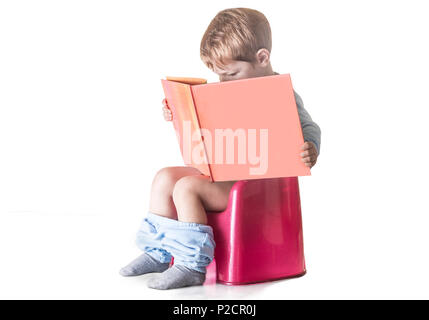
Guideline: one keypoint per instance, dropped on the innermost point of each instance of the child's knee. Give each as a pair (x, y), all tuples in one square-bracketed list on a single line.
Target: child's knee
[(187, 186), (165, 179)]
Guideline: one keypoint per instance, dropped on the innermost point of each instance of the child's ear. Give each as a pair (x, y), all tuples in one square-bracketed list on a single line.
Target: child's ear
[(263, 57)]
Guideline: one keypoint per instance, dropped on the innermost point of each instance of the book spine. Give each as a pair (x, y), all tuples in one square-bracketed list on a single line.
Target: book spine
[(202, 136)]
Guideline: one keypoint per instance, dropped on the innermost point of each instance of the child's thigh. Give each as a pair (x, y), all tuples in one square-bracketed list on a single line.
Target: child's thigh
[(215, 195), (182, 171), (168, 176)]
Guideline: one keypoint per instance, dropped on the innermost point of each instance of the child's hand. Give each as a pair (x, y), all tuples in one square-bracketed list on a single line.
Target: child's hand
[(309, 154), (168, 115)]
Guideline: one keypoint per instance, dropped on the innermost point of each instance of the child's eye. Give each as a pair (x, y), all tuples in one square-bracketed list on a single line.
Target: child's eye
[(233, 74)]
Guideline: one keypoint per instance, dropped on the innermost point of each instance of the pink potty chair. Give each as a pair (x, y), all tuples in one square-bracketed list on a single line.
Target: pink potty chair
[(259, 235)]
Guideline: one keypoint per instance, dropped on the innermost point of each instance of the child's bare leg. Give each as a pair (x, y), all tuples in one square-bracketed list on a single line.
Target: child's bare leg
[(161, 203), (192, 196), (161, 195)]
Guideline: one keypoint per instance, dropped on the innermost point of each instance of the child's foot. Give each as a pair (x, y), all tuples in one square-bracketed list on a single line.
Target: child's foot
[(177, 277), (143, 264)]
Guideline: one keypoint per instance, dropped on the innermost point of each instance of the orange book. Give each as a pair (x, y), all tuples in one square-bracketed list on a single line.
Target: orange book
[(237, 130)]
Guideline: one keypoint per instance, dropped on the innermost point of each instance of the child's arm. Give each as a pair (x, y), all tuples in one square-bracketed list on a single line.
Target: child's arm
[(311, 132)]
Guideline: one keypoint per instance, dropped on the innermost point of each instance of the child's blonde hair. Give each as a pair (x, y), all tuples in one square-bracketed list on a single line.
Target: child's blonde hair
[(235, 34)]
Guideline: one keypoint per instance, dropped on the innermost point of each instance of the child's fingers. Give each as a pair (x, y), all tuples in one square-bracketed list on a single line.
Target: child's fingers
[(168, 115), (310, 163), (306, 146), (308, 159), (166, 110), (310, 152), (165, 107), (307, 163)]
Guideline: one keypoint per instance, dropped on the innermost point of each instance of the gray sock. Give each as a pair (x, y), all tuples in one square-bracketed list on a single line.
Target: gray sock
[(177, 277), (143, 264)]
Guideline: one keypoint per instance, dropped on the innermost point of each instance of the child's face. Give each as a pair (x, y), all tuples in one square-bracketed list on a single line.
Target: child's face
[(235, 70)]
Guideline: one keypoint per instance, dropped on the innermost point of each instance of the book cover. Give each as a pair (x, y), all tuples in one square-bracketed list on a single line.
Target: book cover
[(237, 130)]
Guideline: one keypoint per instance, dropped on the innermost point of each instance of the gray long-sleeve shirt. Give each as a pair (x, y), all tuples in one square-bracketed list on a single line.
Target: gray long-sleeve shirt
[(310, 129)]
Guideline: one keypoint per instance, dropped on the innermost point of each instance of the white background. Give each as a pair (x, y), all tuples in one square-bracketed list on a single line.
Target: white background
[(82, 135)]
